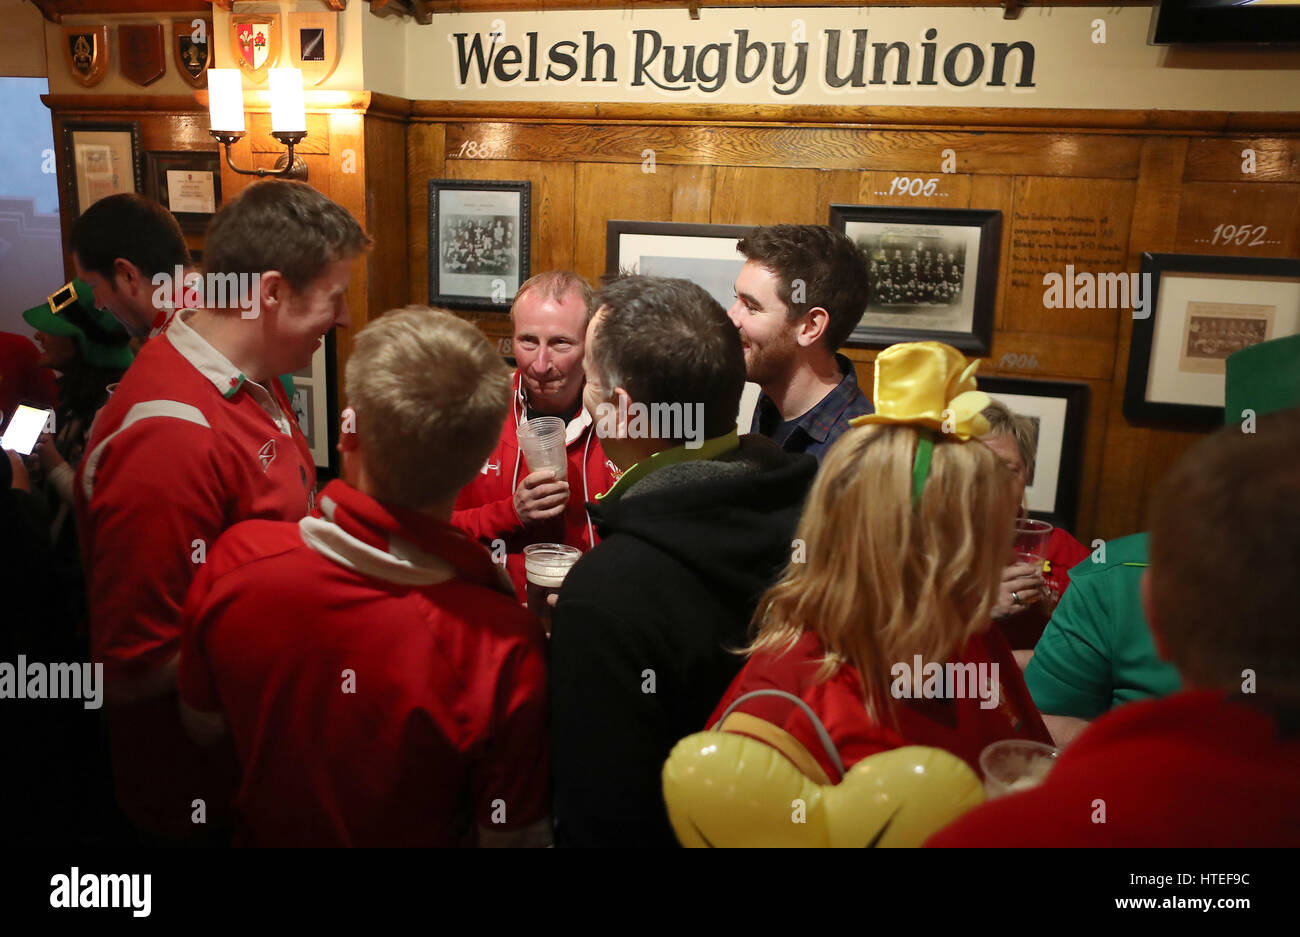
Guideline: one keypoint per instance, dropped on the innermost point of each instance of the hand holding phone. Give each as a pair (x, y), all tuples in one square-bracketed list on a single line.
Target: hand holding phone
[(25, 427)]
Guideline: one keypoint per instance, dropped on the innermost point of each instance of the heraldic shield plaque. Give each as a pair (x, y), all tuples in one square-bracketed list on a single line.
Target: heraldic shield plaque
[(86, 48), (143, 51), (255, 43), (192, 48)]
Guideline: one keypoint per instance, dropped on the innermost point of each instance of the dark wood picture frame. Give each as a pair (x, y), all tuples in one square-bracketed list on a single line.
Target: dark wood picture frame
[(1138, 407), (473, 292), (709, 272), (973, 341), (157, 165), (1069, 465), (70, 130)]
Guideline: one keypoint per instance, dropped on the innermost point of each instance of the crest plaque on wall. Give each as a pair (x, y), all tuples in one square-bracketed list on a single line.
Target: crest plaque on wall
[(86, 49), (192, 47), (314, 45), (143, 51), (255, 42)]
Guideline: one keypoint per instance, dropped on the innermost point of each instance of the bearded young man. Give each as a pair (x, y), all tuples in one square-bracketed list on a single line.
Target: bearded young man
[(802, 290)]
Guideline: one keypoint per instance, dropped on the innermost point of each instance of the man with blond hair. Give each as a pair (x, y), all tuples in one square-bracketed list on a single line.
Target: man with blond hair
[(380, 682), (509, 505)]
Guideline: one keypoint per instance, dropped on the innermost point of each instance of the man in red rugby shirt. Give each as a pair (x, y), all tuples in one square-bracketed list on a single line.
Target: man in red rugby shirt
[(507, 502), (382, 685), (199, 436), (1219, 763)]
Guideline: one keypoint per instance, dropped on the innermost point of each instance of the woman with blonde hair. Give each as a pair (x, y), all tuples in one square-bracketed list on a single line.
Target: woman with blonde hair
[(880, 622)]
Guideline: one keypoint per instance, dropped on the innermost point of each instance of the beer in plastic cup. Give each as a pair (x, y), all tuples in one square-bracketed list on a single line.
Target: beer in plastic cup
[(545, 566)]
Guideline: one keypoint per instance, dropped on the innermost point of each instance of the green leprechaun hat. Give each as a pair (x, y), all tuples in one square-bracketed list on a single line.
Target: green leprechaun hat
[(70, 311)]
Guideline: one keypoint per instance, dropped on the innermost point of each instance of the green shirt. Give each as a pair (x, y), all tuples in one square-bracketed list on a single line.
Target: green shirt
[(1097, 651), (709, 449)]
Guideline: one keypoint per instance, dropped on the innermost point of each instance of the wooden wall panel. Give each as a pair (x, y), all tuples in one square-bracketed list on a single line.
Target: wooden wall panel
[(1060, 222), (754, 196), (1266, 219), (425, 160), (1214, 159), (386, 213), (1054, 154)]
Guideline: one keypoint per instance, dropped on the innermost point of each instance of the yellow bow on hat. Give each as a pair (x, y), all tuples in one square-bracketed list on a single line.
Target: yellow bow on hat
[(928, 384)]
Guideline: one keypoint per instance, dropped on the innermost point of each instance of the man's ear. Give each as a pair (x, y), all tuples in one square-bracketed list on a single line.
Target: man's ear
[(622, 403), (127, 278), (1152, 623), (273, 289), (812, 326)]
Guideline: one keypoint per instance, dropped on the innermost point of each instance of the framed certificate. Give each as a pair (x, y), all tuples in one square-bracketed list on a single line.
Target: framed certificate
[(101, 159), (188, 184)]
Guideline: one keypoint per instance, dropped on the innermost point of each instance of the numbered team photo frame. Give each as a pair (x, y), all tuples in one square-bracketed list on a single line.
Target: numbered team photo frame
[(932, 274), (1200, 309), (1060, 411), (478, 242)]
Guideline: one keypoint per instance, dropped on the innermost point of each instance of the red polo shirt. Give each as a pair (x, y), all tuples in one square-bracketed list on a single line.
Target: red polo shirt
[(1195, 769), (380, 681), (184, 449)]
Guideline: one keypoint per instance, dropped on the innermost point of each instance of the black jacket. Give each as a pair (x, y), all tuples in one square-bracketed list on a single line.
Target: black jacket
[(645, 625)]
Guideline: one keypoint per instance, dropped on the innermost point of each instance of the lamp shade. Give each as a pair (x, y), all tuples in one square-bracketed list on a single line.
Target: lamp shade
[(288, 114), (225, 100)]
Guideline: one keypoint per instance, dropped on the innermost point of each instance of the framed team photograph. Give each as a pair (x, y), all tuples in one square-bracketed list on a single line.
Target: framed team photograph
[(1060, 411), (1199, 310), (705, 254), (932, 273), (316, 407), (188, 184), (100, 159), (478, 242)]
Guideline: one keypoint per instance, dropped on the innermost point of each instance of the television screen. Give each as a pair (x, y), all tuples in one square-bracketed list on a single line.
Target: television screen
[(1272, 22)]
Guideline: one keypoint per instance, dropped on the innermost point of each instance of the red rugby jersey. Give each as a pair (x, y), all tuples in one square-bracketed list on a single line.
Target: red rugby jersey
[(380, 681), (1192, 770), (961, 726), (185, 448)]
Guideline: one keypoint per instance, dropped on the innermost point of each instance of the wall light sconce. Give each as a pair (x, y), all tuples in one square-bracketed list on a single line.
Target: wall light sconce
[(288, 117)]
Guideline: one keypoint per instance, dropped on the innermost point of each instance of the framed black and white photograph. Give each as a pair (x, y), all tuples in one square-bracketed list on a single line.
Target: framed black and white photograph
[(188, 184), (705, 254), (1199, 310), (932, 273), (478, 242), (100, 159), (315, 406), (1060, 411)]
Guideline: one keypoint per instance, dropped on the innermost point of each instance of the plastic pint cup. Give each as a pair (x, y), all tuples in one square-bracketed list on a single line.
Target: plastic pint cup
[(542, 442), (545, 566)]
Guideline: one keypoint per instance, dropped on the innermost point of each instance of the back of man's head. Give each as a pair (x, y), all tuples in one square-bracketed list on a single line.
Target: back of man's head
[(133, 228), (281, 225), (1224, 585), (830, 267), (430, 397), (668, 341)]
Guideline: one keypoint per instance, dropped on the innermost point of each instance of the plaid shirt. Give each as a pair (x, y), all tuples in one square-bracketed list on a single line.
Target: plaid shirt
[(817, 430)]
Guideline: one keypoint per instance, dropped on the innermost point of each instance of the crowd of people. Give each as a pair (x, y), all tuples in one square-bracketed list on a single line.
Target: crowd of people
[(357, 664)]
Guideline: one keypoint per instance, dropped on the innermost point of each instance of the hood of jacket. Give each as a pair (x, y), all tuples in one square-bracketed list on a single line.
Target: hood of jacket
[(731, 519)]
